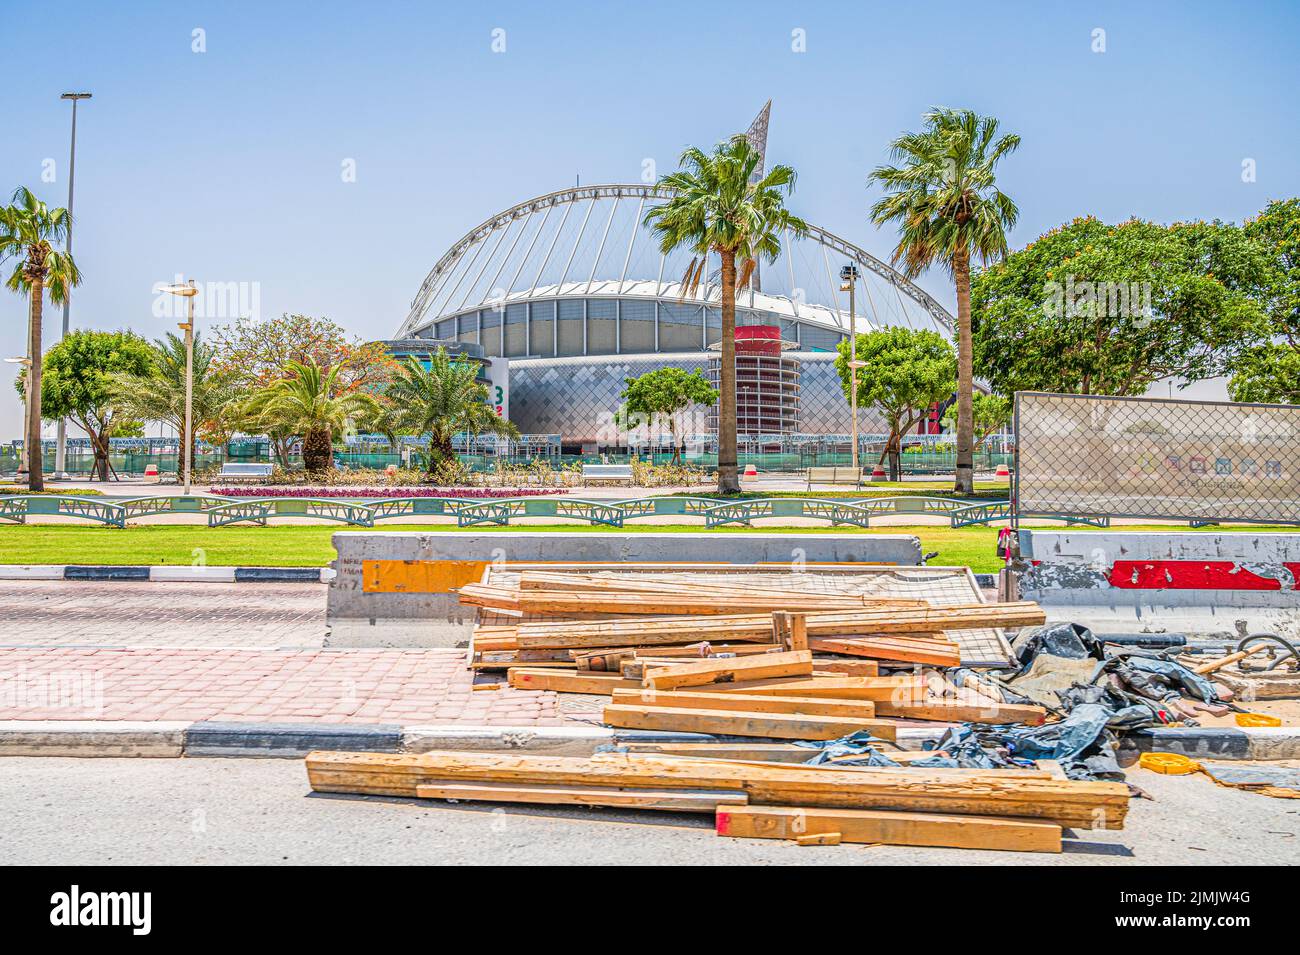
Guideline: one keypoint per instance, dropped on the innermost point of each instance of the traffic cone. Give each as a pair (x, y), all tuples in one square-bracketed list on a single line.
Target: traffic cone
[(751, 471), (878, 473), (1003, 471)]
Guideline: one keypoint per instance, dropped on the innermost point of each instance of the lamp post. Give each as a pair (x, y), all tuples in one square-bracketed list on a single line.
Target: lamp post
[(24, 464), (61, 445), (188, 291), (849, 275)]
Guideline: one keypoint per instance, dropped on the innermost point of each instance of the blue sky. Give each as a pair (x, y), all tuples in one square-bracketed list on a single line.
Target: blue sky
[(226, 164)]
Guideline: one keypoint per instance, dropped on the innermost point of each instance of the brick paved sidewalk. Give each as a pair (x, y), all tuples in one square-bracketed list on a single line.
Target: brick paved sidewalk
[(428, 687)]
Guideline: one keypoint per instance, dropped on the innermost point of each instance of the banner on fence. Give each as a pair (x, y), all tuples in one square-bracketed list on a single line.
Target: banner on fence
[(1153, 457)]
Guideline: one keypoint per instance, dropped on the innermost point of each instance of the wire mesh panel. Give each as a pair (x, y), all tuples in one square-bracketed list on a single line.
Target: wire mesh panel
[(1202, 461)]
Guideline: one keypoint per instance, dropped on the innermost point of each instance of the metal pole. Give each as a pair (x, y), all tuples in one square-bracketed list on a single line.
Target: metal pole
[(853, 368), (61, 441), (189, 392)]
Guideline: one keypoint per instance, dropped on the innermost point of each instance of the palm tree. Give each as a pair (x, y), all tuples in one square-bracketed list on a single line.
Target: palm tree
[(159, 395), (714, 207), (29, 231), (442, 401), (310, 402), (943, 195)]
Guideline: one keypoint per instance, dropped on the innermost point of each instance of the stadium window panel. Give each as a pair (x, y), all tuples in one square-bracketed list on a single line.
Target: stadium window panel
[(637, 332), (714, 327), (570, 327), (602, 339), (813, 338), (679, 327), (542, 339), (490, 334), (468, 328), (446, 329), (516, 330)]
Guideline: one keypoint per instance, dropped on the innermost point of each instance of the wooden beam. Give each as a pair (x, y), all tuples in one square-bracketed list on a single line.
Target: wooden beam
[(679, 800), (846, 667), (757, 628), (741, 723), (904, 687), (947, 654), (808, 706), (567, 681), (890, 828), (761, 666), (964, 713)]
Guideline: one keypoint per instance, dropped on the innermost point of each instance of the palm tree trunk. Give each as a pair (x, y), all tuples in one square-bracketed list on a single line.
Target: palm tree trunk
[(317, 449), (35, 475), (965, 482), (728, 480)]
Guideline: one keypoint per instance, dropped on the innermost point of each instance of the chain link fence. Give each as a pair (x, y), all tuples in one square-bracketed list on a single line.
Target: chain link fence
[(1199, 461)]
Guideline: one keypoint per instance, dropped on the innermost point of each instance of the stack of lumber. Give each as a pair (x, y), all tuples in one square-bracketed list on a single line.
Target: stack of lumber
[(705, 656), (1010, 809)]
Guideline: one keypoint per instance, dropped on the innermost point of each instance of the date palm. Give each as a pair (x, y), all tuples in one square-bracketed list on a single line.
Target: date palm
[(441, 401), (29, 232), (310, 402), (942, 193), (713, 207)]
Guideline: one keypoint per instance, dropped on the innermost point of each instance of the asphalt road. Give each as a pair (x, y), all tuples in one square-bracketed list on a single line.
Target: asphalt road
[(249, 811)]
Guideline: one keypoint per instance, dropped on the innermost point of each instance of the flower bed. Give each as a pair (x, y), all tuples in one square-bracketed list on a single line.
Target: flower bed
[(287, 490)]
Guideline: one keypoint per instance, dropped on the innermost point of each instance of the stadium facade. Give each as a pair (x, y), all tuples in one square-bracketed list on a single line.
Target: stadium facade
[(569, 292)]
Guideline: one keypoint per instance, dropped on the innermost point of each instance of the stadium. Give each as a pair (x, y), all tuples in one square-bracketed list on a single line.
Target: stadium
[(566, 295)]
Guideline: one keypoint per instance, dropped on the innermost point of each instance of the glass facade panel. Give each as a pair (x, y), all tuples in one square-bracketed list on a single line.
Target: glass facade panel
[(714, 325), (490, 335), (679, 327), (601, 336), (446, 329), (468, 328), (570, 327), (516, 330), (637, 334), (812, 338), (542, 334)]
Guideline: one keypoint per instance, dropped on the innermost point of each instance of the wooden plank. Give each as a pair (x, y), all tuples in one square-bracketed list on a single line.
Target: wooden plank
[(844, 688), (679, 800), (809, 706), (964, 713), (763, 666), (904, 652), (914, 789), (750, 752), (694, 650), (798, 631), (846, 667), (819, 839), (757, 628), (890, 828), (567, 681), (740, 723)]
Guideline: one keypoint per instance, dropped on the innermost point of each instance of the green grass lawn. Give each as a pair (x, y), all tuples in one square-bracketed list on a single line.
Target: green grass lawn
[(309, 545)]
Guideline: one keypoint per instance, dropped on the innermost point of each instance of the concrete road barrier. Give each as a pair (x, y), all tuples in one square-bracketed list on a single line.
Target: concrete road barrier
[(412, 575), (1206, 584)]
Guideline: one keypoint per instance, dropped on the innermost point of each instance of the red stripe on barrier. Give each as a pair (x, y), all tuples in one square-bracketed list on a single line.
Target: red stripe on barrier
[(1193, 575)]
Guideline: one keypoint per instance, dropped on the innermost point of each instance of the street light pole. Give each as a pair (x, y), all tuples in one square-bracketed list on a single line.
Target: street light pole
[(189, 290), (849, 279), (61, 445)]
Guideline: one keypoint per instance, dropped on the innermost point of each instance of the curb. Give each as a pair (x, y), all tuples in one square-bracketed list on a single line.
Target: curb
[(168, 574), (290, 739), (106, 738)]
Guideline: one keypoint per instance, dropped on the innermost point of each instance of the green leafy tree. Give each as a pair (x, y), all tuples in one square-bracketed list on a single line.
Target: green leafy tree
[(1091, 308), (309, 402), (158, 393), (441, 401), (942, 194), (714, 208), (904, 372), (77, 384), (1269, 374), (29, 232), (256, 353), (663, 394), (990, 413)]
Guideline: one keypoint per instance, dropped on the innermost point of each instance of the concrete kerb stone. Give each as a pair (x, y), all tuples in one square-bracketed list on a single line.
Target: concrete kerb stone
[(552, 740), (92, 738), (215, 738)]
